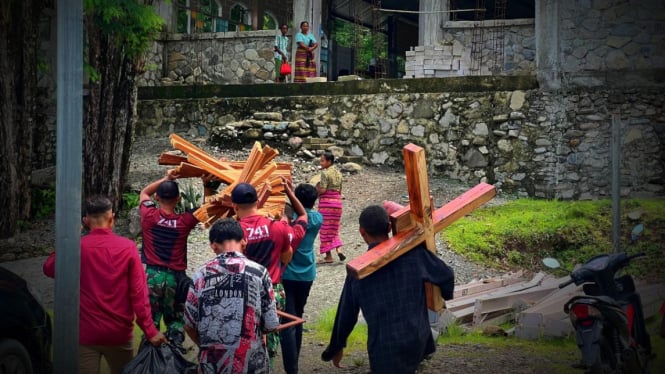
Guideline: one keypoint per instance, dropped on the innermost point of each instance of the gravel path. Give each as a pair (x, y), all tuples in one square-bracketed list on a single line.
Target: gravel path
[(370, 186)]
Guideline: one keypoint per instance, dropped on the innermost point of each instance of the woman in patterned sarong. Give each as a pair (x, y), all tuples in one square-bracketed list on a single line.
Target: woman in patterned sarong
[(330, 207), (305, 65)]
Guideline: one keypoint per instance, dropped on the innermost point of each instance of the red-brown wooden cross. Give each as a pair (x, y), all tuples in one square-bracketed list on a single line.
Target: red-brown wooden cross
[(417, 223)]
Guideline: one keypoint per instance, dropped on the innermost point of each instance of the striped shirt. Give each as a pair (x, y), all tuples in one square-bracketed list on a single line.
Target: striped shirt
[(282, 43)]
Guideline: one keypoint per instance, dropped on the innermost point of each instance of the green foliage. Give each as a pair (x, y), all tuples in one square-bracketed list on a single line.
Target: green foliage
[(323, 330), (130, 200), (42, 204), (91, 72), (269, 23), (522, 232), (345, 33), (131, 24)]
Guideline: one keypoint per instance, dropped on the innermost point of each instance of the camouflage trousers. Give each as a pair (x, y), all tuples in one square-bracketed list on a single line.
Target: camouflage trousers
[(273, 337), (162, 284)]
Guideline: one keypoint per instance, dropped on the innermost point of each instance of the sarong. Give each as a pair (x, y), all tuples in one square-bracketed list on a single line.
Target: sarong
[(302, 70), (330, 207)]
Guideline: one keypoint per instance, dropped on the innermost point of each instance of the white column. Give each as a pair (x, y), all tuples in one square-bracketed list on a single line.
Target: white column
[(429, 22), (315, 28)]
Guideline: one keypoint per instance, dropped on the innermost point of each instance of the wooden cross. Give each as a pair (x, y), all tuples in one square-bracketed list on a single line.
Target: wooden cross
[(417, 223)]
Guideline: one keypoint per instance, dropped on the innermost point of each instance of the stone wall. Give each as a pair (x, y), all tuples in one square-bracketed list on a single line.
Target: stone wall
[(527, 142), (451, 56), (211, 58), (604, 35)]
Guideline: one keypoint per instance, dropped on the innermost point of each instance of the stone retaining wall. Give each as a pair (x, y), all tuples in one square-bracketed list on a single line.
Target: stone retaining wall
[(532, 143), (211, 58)]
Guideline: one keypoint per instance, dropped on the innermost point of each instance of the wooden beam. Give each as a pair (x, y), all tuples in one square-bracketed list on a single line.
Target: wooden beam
[(384, 253), (417, 185), (462, 205)]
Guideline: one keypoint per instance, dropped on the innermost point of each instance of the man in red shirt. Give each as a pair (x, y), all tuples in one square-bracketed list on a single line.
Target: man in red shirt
[(165, 253), (113, 291), (269, 242)]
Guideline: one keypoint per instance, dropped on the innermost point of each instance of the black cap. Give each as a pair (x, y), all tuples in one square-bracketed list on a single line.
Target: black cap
[(168, 190), (244, 193)]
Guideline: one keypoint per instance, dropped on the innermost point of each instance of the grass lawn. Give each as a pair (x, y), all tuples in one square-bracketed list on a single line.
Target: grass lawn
[(522, 232)]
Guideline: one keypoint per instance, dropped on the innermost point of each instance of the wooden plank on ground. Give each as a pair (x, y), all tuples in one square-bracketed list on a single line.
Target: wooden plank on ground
[(484, 285), (489, 304)]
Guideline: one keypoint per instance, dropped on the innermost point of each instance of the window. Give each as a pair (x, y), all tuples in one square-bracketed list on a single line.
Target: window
[(240, 19), (269, 22), (194, 16)]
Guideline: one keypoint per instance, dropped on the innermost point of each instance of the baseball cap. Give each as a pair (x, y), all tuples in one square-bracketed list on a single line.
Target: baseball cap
[(168, 190), (244, 193)]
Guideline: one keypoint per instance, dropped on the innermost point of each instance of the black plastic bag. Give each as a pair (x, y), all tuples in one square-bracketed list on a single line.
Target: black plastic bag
[(165, 359)]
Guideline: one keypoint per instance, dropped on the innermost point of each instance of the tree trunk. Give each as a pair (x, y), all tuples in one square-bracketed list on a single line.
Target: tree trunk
[(18, 79), (109, 116)]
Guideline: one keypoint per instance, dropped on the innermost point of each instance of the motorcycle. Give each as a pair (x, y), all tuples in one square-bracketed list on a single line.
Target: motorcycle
[(608, 318)]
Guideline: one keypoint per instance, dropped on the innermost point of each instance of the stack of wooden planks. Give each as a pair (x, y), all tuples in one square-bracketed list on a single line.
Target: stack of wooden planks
[(259, 170), (535, 305)]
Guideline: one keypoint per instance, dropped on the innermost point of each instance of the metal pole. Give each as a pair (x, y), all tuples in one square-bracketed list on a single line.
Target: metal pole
[(68, 184), (615, 149)]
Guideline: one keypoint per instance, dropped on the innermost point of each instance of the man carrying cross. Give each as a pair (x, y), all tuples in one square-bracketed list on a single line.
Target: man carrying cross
[(393, 302)]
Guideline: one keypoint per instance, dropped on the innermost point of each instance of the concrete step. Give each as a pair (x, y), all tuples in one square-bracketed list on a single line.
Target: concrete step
[(319, 147), (312, 140), (357, 159)]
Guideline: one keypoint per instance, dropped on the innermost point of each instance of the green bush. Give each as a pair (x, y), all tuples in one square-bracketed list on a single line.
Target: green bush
[(42, 204)]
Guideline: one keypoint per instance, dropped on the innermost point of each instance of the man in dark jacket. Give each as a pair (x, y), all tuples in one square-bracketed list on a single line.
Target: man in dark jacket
[(393, 303)]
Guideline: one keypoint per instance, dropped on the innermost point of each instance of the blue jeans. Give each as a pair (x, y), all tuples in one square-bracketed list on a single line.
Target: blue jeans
[(291, 338)]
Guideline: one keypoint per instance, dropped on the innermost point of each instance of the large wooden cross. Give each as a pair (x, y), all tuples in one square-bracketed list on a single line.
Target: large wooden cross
[(418, 223)]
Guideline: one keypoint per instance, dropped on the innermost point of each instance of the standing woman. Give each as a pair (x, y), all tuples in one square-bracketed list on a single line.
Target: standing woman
[(305, 64), (330, 207)]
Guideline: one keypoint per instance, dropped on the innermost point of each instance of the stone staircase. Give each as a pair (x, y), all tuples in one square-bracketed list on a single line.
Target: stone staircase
[(319, 144)]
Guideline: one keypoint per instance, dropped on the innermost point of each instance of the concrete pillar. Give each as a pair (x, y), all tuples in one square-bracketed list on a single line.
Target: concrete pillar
[(429, 24), (548, 64)]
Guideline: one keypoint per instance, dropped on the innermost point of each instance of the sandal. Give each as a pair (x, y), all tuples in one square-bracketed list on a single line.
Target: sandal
[(342, 257), (323, 262)]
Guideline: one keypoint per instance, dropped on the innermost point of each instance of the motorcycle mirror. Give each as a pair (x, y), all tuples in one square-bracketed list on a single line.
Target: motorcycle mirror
[(551, 263)]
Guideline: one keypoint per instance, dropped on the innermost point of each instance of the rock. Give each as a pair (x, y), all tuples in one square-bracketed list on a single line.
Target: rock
[(336, 151), (356, 150), (475, 159), (480, 129), (632, 135), (352, 167), (134, 217), (635, 215), (379, 157), (418, 131), (517, 100), (252, 134), (617, 60), (309, 154), (504, 145), (251, 55), (618, 41), (448, 119), (268, 116), (295, 142)]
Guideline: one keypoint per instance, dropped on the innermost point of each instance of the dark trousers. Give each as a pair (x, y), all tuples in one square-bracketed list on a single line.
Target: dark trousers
[(291, 338)]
